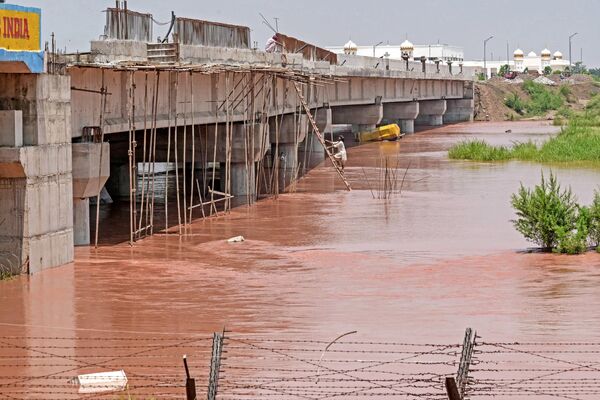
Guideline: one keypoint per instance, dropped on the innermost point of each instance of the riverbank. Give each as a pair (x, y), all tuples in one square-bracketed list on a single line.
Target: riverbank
[(578, 141), (499, 99)]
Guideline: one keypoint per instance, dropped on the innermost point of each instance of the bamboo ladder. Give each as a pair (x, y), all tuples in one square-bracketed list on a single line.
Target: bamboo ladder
[(317, 132)]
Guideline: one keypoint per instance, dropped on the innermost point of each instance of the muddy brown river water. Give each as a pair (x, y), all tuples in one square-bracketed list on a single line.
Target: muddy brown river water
[(418, 268)]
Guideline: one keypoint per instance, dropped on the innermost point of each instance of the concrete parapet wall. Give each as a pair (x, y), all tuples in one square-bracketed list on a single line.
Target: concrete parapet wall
[(111, 51)]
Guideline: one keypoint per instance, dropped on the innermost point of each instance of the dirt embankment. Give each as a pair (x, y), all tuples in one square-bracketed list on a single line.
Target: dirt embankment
[(490, 96)]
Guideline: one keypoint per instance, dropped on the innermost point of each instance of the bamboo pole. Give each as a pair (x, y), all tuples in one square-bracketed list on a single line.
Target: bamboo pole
[(102, 110), (144, 151), (176, 156), (130, 154), (155, 111), (168, 152), (185, 102), (193, 144)]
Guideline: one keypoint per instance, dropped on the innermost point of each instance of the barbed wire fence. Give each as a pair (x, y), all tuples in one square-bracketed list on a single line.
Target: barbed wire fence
[(239, 367)]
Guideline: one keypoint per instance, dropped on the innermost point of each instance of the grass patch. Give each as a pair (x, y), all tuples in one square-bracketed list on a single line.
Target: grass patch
[(579, 140), (541, 99)]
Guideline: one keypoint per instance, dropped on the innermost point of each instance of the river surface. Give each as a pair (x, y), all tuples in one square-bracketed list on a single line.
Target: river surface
[(419, 267)]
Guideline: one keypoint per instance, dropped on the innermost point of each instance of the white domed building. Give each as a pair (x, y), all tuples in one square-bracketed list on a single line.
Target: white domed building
[(443, 52), (522, 62), (546, 56), (518, 57), (350, 48), (407, 47)]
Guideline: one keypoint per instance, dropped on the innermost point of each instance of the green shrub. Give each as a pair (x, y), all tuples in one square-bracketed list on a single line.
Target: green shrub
[(575, 241), (542, 98), (565, 91), (594, 233), (544, 212), (547, 70), (514, 102)]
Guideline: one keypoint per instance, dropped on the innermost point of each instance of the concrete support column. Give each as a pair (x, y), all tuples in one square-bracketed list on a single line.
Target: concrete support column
[(35, 172), (431, 112), (311, 150), (404, 114), (89, 178), (118, 183), (361, 117), (243, 185), (459, 110), (285, 136), (81, 221)]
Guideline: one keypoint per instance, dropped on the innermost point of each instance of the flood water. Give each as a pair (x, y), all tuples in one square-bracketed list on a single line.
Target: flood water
[(419, 267)]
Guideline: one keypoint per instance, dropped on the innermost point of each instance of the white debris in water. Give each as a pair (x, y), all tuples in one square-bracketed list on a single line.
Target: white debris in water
[(101, 382), (237, 239), (544, 81)]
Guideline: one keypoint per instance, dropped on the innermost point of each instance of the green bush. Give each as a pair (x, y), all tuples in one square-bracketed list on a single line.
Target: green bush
[(594, 229), (565, 90), (545, 212), (574, 241), (514, 102), (542, 98), (547, 70)]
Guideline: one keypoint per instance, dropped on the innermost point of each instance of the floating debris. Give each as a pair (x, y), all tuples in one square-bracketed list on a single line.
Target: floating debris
[(237, 239), (114, 381)]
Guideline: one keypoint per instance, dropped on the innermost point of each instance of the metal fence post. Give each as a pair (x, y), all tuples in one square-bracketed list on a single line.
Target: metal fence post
[(215, 365), (462, 375)]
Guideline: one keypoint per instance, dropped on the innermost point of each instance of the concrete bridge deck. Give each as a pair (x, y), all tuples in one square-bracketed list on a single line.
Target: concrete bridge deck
[(239, 106)]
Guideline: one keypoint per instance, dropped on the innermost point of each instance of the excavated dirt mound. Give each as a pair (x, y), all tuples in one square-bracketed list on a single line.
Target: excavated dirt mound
[(490, 96)]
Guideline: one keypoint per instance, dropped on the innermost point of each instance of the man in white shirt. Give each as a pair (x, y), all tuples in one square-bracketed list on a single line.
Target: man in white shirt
[(339, 151)]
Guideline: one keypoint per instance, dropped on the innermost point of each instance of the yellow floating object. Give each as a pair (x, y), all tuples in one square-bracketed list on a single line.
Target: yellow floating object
[(386, 132)]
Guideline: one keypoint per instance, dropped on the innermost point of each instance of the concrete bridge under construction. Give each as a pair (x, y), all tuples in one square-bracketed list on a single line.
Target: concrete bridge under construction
[(225, 122)]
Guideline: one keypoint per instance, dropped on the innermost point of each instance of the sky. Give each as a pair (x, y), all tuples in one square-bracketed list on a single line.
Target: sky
[(528, 24)]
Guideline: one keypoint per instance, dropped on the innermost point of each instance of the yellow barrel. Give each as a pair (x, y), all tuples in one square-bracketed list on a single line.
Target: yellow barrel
[(386, 132)]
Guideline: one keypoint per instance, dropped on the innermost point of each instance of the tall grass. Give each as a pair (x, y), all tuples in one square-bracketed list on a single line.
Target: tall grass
[(542, 99), (578, 141)]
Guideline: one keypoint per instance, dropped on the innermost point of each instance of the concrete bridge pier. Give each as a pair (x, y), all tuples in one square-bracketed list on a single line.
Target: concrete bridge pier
[(431, 112), (285, 135), (36, 188), (459, 110), (88, 179), (361, 117), (404, 114), (311, 150), (243, 159)]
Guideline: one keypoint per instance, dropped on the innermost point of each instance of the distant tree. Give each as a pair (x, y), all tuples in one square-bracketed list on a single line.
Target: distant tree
[(547, 70), (579, 68), (504, 69), (595, 72)]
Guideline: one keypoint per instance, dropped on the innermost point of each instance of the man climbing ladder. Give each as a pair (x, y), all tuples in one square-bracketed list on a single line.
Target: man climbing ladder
[(317, 133), (339, 153)]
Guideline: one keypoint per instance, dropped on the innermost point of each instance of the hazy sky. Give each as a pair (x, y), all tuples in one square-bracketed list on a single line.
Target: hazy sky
[(529, 24)]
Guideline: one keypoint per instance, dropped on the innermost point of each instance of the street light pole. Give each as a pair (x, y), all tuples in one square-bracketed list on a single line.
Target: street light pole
[(485, 55), (374, 47), (570, 59)]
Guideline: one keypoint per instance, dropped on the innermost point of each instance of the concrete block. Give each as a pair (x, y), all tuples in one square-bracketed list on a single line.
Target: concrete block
[(11, 128), (89, 176)]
